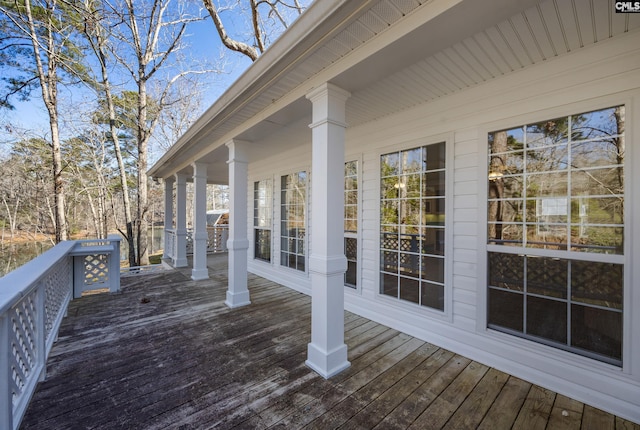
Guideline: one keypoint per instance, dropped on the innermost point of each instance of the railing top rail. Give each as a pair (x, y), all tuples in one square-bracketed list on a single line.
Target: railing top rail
[(20, 281)]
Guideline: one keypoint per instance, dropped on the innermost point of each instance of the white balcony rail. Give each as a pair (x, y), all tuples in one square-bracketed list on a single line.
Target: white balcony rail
[(216, 241), (33, 301)]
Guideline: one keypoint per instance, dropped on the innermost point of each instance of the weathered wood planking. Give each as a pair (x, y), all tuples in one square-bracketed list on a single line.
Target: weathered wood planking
[(167, 353)]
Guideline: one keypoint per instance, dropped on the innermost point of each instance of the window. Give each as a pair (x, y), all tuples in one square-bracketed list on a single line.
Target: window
[(351, 222), (262, 210), (412, 225), (293, 210), (555, 232)]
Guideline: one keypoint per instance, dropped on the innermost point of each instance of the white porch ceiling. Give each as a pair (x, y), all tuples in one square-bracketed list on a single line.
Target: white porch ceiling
[(468, 43), (541, 32), (546, 30)]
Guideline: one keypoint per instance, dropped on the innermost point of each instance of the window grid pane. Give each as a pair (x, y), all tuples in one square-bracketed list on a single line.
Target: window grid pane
[(351, 187), (262, 219), (293, 207), (412, 223), (558, 185)]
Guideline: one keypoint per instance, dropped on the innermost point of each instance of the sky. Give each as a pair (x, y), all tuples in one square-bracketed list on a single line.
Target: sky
[(204, 41), (204, 44)]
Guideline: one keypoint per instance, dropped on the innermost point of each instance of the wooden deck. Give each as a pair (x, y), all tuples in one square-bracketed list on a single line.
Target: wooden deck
[(167, 353)]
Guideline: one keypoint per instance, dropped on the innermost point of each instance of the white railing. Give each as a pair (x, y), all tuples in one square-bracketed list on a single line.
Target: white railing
[(33, 301), (140, 270), (217, 238), (216, 241), (170, 243)]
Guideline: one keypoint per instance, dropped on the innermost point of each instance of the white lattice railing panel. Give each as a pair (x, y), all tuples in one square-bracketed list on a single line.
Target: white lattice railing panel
[(23, 334), (217, 238), (96, 269), (189, 241), (57, 292), (170, 246), (33, 301)]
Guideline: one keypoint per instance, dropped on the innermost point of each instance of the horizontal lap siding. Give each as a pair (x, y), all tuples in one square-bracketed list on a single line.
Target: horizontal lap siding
[(552, 88), (463, 119), (290, 157)]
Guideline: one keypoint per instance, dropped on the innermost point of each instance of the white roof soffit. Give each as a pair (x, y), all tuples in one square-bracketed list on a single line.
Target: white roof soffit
[(377, 49), (321, 20)]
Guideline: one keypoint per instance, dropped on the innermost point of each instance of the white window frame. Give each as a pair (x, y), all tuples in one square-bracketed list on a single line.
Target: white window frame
[(402, 305), (631, 302), (278, 202)]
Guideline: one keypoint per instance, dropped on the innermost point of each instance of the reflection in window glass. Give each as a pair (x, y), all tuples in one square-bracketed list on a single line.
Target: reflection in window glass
[(293, 210), (558, 186), (351, 222), (412, 225), (262, 212)]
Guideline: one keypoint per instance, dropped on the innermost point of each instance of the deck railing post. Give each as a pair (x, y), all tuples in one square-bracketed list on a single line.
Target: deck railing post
[(78, 276), (6, 396), (114, 264)]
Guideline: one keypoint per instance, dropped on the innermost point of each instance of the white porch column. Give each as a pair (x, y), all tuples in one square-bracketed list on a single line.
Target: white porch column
[(238, 243), (168, 216), (180, 259), (327, 352), (200, 235)]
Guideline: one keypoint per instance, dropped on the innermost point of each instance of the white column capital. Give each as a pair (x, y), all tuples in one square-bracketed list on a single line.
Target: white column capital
[(329, 105), (169, 181), (328, 90), (238, 150), (199, 169), (181, 178)]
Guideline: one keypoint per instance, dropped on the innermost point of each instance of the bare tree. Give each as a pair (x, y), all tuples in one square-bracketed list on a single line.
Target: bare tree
[(43, 25), (278, 13), (97, 36), (153, 34)]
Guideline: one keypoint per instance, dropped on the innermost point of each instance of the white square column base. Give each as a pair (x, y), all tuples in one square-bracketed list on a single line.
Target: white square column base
[(199, 274), (236, 300), (327, 363)]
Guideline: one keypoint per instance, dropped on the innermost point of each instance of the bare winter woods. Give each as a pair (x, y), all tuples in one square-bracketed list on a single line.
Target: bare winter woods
[(119, 82)]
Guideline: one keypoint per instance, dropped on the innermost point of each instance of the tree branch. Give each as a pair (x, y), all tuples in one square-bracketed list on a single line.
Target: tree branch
[(233, 45)]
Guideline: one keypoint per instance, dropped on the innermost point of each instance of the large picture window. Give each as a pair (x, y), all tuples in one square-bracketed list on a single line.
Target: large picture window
[(555, 232), (351, 222), (412, 225), (262, 212), (293, 215)]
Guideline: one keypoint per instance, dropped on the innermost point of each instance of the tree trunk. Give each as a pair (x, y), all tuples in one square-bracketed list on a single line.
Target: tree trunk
[(49, 85), (496, 184), (143, 255)]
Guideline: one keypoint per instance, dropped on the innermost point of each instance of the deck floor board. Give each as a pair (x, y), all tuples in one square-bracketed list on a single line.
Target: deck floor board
[(167, 353)]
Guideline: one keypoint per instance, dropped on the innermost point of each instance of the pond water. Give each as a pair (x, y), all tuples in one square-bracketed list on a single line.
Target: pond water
[(15, 255)]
